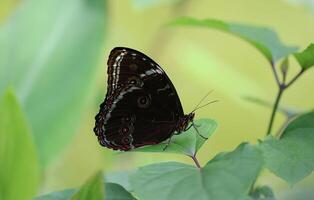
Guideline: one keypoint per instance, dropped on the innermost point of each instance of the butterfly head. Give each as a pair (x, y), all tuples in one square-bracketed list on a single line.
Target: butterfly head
[(184, 122)]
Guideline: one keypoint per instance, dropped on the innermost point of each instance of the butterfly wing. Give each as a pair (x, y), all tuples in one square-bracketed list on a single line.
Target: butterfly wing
[(141, 106)]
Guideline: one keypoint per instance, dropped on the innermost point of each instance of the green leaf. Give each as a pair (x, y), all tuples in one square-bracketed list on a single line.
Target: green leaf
[(93, 189), (262, 193), (262, 38), (305, 121), (121, 178), (112, 192), (304, 192), (117, 192), (187, 143), (60, 195), (19, 171), (227, 177), (291, 157), (306, 57), (51, 60)]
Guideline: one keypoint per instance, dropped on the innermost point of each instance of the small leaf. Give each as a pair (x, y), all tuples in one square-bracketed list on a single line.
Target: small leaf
[(262, 193), (291, 157), (53, 66), (187, 143), (264, 39), (306, 57), (19, 171), (93, 189), (284, 66), (112, 192), (227, 177)]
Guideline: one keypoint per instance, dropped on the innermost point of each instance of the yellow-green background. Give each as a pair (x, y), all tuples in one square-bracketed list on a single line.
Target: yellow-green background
[(197, 61)]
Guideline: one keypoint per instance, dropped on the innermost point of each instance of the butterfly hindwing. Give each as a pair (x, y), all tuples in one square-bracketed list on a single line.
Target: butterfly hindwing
[(141, 106)]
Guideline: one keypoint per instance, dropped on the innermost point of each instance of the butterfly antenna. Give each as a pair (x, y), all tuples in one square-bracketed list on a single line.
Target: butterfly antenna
[(202, 100), (205, 105)]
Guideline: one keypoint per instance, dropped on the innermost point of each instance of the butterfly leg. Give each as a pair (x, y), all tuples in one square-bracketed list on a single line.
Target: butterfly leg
[(194, 126), (188, 127)]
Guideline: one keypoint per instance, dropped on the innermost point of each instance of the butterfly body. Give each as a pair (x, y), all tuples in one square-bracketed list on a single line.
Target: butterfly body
[(141, 106)]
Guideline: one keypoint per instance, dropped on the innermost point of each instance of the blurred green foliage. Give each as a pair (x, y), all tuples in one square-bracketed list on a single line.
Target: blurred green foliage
[(264, 39), (19, 169), (49, 54), (53, 54), (92, 190)]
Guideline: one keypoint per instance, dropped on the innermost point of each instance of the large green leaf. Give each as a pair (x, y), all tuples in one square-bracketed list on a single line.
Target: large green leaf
[(18, 160), (93, 189), (262, 38), (121, 178), (113, 191), (227, 177), (306, 57), (187, 143), (291, 157), (304, 192), (51, 60)]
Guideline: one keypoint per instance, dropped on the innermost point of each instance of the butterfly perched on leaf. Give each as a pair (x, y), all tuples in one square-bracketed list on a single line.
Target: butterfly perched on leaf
[(141, 106)]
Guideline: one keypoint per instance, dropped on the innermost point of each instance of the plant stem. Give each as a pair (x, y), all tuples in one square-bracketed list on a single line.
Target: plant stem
[(275, 73), (196, 161), (282, 87), (294, 78), (275, 107)]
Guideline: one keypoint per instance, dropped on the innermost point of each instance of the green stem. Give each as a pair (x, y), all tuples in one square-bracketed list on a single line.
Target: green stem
[(294, 78), (275, 107), (196, 161)]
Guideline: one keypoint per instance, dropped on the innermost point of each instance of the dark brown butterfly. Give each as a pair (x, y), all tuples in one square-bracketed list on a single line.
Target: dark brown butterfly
[(141, 106)]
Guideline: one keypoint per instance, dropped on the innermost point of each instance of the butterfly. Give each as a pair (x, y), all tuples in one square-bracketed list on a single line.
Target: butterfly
[(141, 106)]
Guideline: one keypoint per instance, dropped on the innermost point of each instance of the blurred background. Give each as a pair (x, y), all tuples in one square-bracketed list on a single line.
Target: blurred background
[(54, 53)]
